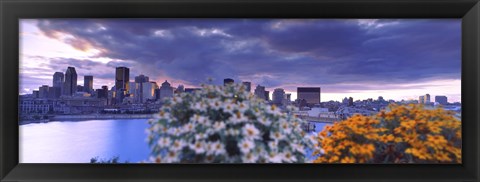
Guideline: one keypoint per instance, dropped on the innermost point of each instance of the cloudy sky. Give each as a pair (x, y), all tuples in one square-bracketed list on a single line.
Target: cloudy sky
[(396, 59)]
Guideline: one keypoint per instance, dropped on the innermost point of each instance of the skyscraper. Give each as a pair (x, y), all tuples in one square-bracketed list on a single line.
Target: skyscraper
[(278, 96), (122, 77), (427, 98), (421, 99), (88, 84), (70, 84), (310, 94), (228, 81), (267, 95), (260, 92), (58, 79), (138, 91), (248, 86)]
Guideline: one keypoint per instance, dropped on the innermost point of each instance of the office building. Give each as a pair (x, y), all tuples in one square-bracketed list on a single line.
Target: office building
[(260, 92), (58, 79), (427, 98), (43, 91), (137, 88), (166, 90), (310, 94), (122, 77), (441, 99), (148, 91), (248, 86), (278, 96), (267, 95), (70, 84), (228, 81), (88, 84), (350, 101), (421, 99)]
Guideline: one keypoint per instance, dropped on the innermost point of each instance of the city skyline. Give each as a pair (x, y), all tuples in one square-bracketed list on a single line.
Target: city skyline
[(358, 58)]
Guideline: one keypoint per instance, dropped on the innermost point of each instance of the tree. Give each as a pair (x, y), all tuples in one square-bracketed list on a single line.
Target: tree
[(404, 134)]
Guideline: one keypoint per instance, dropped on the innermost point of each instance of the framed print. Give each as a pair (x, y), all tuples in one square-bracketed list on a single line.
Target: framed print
[(227, 90)]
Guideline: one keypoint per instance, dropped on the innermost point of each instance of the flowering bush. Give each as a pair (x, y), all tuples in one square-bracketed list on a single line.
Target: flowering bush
[(225, 125), (405, 134)]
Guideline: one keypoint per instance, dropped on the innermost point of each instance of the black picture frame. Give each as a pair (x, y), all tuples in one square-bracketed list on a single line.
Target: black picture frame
[(13, 10)]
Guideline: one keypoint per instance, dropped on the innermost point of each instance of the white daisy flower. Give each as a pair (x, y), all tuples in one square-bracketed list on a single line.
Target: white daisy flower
[(285, 127), (242, 106), (218, 148), (164, 142), (238, 118), (178, 145), (199, 106), (246, 146), (175, 131), (265, 121), (171, 157), (215, 104), (288, 157), (274, 157), (217, 126), (176, 100), (189, 127), (273, 145), (251, 132), (198, 147), (249, 158), (273, 109), (228, 108), (200, 136), (277, 136)]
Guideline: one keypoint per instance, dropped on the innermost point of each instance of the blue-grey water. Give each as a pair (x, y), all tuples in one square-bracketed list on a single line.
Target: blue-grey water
[(79, 141)]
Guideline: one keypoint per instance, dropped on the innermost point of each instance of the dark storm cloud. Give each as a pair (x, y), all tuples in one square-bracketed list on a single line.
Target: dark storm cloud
[(271, 52)]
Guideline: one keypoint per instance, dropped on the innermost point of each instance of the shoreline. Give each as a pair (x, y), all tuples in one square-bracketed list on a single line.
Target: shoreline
[(75, 118)]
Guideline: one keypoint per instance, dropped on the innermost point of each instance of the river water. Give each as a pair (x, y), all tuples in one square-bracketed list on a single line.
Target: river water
[(79, 141)]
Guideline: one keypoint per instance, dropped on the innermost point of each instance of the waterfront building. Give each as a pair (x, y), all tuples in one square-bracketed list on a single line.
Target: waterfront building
[(88, 83), (289, 97), (122, 77), (58, 79), (166, 90), (278, 96), (35, 94), (54, 92), (350, 101), (441, 99), (103, 92), (260, 92), (310, 94), (228, 81), (70, 84), (34, 106), (248, 86), (43, 91), (267, 95)]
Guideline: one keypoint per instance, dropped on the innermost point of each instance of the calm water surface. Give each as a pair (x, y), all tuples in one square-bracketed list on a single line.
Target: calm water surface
[(79, 141)]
